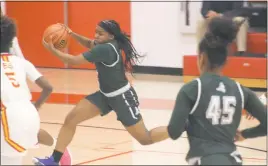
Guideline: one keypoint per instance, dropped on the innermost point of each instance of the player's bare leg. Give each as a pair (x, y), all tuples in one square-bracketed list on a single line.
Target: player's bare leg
[(84, 110), (45, 138), (145, 137)]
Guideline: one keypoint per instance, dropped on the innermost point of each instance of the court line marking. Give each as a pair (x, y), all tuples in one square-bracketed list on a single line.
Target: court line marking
[(108, 128), (154, 151), (131, 151), (165, 152), (105, 157), (111, 145)]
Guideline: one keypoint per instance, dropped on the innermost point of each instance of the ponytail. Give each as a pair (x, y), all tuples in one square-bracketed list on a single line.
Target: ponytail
[(221, 32), (123, 39), (132, 57)]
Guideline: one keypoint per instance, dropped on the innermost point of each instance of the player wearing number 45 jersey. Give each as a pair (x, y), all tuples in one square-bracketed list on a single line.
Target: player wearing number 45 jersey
[(211, 106)]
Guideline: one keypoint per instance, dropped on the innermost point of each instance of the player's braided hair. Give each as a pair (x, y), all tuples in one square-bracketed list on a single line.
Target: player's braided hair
[(221, 32), (132, 56), (8, 32)]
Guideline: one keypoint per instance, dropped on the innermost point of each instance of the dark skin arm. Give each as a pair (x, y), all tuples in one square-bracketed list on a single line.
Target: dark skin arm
[(100, 53), (43, 136), (178, 119), (66, 58), (179, 116), (84, 41), (257, 109), (46, 91)]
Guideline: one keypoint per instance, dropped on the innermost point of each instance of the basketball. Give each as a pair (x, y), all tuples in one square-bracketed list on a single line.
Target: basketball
[(59, 34)]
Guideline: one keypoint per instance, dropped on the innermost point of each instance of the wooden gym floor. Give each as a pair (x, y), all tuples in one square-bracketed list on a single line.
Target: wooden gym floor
[(104, 141)]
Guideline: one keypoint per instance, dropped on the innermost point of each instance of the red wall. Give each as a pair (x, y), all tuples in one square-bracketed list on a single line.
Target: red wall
[(84, 16), (33, 17)]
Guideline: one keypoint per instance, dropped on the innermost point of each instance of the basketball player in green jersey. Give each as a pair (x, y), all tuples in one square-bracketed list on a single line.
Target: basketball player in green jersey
[(211, 106), (115, 91)]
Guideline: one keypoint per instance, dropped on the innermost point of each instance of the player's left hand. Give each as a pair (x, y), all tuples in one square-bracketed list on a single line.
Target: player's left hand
[(48, 45)]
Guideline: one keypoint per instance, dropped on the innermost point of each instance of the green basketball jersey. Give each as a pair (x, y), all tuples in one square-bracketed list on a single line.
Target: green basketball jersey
[(109, 64), (211, 108), (216, 115)]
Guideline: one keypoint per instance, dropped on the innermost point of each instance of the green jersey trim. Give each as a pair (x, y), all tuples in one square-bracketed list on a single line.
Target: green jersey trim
[(117, 92), (198, 95), (118, 57), (241, 93)]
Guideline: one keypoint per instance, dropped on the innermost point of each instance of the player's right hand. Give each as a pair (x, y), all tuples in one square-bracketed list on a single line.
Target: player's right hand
[(67, 28)]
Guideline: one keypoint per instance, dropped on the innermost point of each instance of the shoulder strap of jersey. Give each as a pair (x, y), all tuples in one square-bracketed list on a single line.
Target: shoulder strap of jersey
[(199, 88), (112, 65), (241, 93)]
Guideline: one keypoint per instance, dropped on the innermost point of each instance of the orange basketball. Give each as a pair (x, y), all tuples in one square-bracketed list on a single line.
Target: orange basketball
[(59, 35)]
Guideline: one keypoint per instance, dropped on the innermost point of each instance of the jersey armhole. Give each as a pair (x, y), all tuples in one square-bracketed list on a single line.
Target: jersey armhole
[(198, 95), (241, 94), (31, 72), (117, 60)]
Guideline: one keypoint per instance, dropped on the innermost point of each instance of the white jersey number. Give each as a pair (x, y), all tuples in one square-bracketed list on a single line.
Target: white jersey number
[(224, 115)]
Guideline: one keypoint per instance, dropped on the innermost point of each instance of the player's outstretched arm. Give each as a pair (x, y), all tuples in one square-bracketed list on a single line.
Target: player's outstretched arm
[(177, 122), (66, 58), (180, 115), (257, 109), (100, 53), (84, 41)]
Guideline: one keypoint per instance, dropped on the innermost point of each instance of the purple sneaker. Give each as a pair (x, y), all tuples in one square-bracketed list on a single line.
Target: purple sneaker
[(46, 161)]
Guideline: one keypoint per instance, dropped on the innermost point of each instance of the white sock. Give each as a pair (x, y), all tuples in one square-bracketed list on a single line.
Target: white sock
[(54, 142)]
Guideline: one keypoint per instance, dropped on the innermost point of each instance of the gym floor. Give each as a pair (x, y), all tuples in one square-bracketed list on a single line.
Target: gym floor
[(104, 141)]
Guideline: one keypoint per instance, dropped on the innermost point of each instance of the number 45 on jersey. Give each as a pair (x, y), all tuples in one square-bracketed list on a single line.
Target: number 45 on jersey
[(218, 115)]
